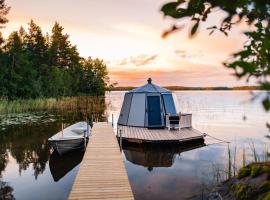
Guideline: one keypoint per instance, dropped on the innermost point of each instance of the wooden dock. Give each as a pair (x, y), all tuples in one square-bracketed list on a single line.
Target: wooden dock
[(139, 134), (102, 174)]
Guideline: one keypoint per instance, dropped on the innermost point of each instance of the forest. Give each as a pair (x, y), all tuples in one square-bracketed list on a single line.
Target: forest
[(37, 65)]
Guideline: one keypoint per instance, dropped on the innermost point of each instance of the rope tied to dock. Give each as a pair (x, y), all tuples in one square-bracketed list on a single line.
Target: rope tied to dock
[(222, 141)]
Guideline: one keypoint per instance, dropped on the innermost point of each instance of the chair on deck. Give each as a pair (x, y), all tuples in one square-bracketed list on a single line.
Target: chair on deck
[(173, 121)]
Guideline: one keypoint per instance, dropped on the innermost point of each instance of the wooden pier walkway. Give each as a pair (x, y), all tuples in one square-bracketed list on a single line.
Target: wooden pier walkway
[(102, 174)]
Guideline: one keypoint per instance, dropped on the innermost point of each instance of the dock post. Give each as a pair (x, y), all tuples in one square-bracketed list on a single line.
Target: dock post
[(84, 135), (120, 140)]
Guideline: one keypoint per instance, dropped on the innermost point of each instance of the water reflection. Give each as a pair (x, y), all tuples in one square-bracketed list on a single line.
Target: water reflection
[(28, 145), (26, 163), (61, 165), (6, 191), (156, 155)]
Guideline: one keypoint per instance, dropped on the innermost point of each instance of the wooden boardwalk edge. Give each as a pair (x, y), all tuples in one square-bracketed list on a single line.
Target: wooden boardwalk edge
[(102, 173)]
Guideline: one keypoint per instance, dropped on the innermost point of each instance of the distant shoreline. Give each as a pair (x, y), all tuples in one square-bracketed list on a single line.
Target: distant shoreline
[(183, 88)]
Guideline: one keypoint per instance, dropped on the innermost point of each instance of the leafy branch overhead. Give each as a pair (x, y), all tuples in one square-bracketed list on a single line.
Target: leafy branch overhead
[(4, 9), (251, 62)]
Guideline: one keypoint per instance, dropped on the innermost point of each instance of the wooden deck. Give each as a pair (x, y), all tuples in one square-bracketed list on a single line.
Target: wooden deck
[(158, 135), (102, 174)]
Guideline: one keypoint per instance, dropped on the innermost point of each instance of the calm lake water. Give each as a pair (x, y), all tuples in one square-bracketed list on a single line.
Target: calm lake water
[(30, 170)]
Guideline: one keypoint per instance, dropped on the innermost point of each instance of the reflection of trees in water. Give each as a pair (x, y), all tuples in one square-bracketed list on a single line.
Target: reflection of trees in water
[(6, 191), (27, 144)]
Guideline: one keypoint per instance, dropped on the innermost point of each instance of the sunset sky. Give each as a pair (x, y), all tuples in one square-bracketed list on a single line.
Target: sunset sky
[(126, 34)]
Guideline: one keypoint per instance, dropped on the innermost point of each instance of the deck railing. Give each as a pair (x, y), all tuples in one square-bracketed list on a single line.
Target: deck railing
[(185, 120)]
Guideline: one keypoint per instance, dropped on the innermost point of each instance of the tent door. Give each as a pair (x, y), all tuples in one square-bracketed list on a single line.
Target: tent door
[(154, 111)]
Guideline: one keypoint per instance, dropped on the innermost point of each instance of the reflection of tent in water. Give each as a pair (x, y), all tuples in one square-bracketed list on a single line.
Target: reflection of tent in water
[(61, 165), (154, 155)]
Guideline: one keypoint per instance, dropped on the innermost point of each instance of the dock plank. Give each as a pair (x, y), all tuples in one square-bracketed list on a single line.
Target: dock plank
[(145, 134), (102, 174)]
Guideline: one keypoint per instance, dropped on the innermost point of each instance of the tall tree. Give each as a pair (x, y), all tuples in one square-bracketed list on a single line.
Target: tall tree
[(61, 52), (35, 45), (20, 75), (95, 78), (254, 59)]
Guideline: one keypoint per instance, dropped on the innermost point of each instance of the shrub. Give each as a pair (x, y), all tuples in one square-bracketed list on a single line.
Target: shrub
[(266, 196), (264, 187), (243, 172), (244, 192), (256, 170)]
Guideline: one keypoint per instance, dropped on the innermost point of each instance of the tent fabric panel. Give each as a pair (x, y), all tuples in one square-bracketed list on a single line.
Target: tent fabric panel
[(123, 117), (137, 110), (149, 88), (169, 104)]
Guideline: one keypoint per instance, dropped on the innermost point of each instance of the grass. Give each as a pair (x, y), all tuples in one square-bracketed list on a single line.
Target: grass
[(81, 103)]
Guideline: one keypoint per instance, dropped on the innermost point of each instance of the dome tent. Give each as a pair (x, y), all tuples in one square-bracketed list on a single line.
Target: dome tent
[(147, 106)]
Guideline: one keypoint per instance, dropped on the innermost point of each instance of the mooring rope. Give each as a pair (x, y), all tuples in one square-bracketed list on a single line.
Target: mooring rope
[(223, 141)]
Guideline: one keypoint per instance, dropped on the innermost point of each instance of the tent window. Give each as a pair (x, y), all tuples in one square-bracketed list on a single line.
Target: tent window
[(169, 104)]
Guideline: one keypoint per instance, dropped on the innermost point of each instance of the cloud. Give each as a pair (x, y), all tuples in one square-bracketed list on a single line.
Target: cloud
[(188, 74), (138, 60), (186, 54)]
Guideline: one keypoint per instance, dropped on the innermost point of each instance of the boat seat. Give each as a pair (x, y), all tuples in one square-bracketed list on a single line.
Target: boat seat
[(172, 121)]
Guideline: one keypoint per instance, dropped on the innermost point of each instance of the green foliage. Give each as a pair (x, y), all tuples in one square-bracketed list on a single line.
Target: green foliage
[(264, 187), (4, 9), (251, 62), (253, 170), (243, 192), (256, 170), (33, 65), (266, 169), (266, 196), (243, 172)]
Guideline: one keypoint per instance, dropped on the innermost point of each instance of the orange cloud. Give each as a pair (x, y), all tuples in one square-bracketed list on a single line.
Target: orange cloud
[(138, 60), (202, 75)]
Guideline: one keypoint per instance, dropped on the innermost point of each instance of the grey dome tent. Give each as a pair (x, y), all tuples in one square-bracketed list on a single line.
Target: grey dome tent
[(147, 106)]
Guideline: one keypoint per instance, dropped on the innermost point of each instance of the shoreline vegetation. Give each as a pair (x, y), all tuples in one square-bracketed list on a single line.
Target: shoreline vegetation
[(80, 103), (35, 65), (175, 88), (245, 178)]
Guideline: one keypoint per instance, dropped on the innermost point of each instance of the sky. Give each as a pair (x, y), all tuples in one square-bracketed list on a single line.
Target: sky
[(126, 34)]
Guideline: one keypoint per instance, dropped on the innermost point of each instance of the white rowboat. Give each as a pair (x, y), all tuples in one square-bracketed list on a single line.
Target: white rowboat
[(70, 138)]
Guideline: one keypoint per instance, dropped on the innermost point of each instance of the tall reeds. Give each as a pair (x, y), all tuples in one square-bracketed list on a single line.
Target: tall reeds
[(95, 104)]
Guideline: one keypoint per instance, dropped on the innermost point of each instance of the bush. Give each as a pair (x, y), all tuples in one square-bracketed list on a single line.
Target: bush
[(243, 172), (244, 192), (256, 170), (264, 187), (266, 196), (266, 169)]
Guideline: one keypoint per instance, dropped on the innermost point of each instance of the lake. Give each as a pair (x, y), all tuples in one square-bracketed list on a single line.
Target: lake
[(30, 170)]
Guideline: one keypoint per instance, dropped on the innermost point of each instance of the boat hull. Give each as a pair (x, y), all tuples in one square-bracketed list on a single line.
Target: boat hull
[(64, 146)]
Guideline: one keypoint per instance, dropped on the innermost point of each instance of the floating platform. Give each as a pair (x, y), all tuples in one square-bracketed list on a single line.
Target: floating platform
[(139, 134)]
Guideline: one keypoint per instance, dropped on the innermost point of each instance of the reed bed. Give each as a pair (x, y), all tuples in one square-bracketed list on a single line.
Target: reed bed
[(237, 159), (81, 103)]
